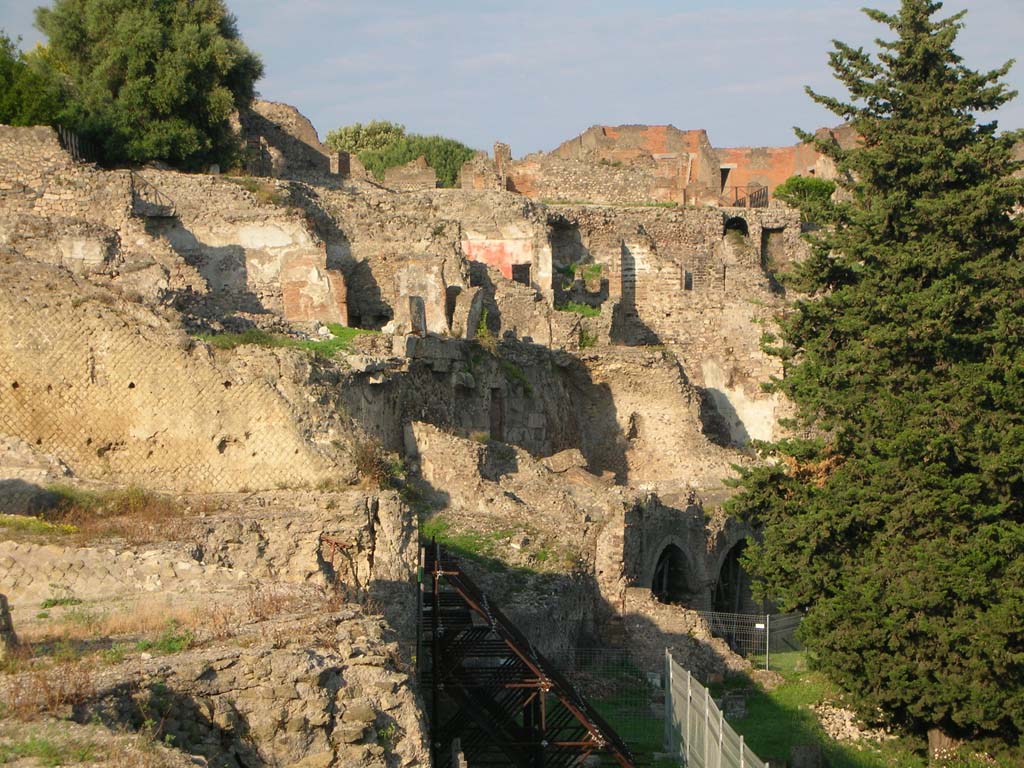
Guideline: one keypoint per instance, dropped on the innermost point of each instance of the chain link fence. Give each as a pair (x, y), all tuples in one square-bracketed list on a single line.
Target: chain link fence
[(756, 636), (631, 700)]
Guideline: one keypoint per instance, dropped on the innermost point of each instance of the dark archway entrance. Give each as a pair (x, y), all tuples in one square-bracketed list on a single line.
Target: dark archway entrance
[(732, 590), (736, 224), (671, 580)]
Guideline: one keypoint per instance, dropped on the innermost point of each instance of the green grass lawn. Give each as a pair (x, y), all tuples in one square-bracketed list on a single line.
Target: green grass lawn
[(780, 719)]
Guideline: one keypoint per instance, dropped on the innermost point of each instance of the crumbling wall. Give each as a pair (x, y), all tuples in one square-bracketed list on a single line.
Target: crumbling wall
[(119, 393), (282, 142), (676, 277), (415, 174), (253, 256), (623, 165)]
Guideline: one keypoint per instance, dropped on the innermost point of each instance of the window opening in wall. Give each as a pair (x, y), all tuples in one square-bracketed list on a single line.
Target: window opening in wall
[(670, 584), (687, 280), (521, 273)]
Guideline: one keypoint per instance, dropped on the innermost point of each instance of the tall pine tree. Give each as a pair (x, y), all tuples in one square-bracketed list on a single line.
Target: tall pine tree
[(896, 519)]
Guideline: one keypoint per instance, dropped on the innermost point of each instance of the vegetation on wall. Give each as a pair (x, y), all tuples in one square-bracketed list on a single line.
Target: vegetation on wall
[(380, 145), (896, 519), (150, 81)]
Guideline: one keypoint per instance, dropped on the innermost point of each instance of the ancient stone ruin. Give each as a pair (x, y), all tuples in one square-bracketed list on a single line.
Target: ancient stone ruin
[(557, 365)]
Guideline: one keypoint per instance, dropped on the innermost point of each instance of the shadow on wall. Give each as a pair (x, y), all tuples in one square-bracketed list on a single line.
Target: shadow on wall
[(19, 497), (577, 412), (366, 305), (180, 716), (598, 434), (721, 423), (627, 327), (222, 267), (295, 152)]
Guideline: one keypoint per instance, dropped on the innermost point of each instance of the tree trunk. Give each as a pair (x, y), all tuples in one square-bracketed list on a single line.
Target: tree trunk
[(940, 744)]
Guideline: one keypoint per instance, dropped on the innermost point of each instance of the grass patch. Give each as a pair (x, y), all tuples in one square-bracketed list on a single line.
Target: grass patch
[(48, 752), (33, 526), (264, 191), (474, 545), (132, 514), (779, 719), (59, 602), (584, 310), (341, 340), (587, 339), (172, 640), (514, 373)]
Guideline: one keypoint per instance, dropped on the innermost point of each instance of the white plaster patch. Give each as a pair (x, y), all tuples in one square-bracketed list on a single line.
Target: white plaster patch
[(748, 418)]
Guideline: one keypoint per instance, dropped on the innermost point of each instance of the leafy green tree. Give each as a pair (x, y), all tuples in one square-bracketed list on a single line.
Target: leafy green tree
[(896, 517), (27, 95), (152, 80), (376, 135), (380, 145), (811, 195)]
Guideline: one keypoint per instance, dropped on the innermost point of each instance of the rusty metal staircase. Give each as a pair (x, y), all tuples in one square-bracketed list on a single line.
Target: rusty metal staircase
[(489, 692)]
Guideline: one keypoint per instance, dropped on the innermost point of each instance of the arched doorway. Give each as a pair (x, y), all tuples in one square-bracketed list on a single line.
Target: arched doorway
[(671, 583), (732, 590), (736, 224)]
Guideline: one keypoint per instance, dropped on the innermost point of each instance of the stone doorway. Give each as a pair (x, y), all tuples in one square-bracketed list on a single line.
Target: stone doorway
[(732, 590), (671, 583)]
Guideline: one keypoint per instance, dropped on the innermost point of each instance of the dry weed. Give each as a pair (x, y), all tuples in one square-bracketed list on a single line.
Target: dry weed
[(49, 691), (133, 515), (265, 601), (141, 618)]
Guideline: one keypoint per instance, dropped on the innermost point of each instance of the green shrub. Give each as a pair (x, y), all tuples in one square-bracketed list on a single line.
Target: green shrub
[(484, 337)]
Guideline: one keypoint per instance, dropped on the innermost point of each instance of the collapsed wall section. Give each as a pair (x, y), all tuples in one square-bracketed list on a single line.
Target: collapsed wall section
[(699, 280)]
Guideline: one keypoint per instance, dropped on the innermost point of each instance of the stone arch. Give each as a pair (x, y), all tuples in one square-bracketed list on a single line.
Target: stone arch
[(672, 579), (736, 224), (731, 593)]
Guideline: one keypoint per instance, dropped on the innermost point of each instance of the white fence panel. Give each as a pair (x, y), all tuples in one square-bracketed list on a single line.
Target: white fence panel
[(696, 730)]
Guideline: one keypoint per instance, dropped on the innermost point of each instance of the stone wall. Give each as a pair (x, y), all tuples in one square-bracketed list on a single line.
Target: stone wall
[(281, 142), (253, 256), (119, 393), (415, 174), (675, 278)]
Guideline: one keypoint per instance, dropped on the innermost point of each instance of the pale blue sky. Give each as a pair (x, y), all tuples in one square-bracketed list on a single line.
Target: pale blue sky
[(534, 73)]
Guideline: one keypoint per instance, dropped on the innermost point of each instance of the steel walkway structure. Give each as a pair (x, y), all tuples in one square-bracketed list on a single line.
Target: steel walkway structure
[(491, 693)]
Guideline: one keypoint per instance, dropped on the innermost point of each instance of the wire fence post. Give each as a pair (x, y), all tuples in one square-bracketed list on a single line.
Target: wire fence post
[(667, 682), (767, 638)]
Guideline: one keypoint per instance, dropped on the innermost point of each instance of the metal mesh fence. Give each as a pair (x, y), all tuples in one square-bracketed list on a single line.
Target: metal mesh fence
[(756, 636), (696, 732), (631, 700)]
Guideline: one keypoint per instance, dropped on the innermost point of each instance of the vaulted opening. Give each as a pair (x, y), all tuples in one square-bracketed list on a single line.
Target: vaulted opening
[(670, 583), (732, 590)]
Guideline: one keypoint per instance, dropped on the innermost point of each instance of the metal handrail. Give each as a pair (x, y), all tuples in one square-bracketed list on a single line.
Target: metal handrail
[(745, 196)]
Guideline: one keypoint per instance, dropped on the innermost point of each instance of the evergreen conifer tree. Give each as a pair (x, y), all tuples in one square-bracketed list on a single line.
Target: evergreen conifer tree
[(895, 516)]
